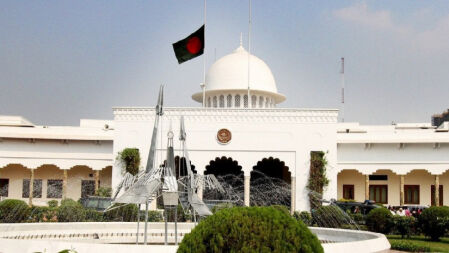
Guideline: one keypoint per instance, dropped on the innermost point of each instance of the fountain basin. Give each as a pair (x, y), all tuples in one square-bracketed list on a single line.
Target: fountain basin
[(94, 237)]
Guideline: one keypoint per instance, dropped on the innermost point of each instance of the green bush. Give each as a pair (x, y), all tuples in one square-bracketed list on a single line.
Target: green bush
[(379, 220), (52, 203), (13, 211), (105, 192), (130, 159), (434, 221), (408, 246), (358, 218), (220, 206), (250, 229), (122, 213), (43, 214), (153, 216), (94, 215), (330, 216), (303, 216), (71, 211), (403, 225)]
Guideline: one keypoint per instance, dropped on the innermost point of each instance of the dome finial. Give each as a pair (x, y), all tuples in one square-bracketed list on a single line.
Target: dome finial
[(241, 40)]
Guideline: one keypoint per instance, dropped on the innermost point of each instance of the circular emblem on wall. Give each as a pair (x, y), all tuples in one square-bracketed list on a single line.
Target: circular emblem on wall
[(224, 136)]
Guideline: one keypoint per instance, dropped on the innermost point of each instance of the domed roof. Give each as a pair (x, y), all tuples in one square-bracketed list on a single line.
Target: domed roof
[(231, 73)]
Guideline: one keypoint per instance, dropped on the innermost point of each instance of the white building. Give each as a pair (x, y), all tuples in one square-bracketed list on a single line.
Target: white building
[(393, 164)]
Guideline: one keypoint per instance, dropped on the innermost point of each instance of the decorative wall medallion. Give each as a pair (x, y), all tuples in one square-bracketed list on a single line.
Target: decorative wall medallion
[(224, 136)]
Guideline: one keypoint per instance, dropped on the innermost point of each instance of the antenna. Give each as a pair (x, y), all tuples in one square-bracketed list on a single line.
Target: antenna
[(342, 89), (204, 57)]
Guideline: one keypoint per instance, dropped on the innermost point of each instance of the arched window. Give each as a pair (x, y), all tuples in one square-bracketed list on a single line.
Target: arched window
[(253, 101), (221, 101), (208, 102), (215, 102), (237, 101), (229, 100), (260, 102), (245, 101)]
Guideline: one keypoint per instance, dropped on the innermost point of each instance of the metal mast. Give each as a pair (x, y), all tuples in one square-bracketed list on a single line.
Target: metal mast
[(249, 52), (342, 89)]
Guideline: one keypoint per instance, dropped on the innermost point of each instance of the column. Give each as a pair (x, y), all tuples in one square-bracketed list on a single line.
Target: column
[(246, 185), (366, 187), (437, 190), (30, 195), (293, 195), (97, 181), (64, 185), (200, 189), (402, 200)]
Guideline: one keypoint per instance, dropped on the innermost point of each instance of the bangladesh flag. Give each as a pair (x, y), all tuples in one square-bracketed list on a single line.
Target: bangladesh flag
[(190, 47)]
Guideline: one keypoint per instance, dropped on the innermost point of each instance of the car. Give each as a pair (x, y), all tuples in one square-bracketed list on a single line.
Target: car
[(352, 207)]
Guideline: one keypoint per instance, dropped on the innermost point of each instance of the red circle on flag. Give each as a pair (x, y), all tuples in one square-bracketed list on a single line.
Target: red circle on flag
[(194, 45)]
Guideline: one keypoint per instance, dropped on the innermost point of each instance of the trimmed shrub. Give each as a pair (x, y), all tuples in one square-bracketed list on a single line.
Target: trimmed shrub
[(250, 229), (43, 214), (408, 246), (123, 213), (379, 220), (52, 203), (71, 211), (303, 216), (153, 216), (93, 215), (434, 221), (330, 217), (358, 218), (403, 225), (104, 192), (13, 211)]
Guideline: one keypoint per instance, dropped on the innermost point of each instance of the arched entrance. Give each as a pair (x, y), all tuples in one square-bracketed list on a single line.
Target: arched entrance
[(270, 183), (230, 174)]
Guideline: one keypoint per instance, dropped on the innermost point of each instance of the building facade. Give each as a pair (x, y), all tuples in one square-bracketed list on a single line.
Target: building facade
[(240, 129)]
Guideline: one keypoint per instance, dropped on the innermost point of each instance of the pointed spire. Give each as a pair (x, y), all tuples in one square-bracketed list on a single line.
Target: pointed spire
[(241, 39), (160, 101)]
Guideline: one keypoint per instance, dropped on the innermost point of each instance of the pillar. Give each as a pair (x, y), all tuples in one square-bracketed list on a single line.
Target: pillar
[(437, 190), (31, 187), (366, 187), (246, 185), (401, 197), (97, 181), (293, 195), (200, 188), (64, 185)]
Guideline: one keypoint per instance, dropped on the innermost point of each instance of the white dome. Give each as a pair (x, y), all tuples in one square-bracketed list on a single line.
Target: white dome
[(228, 77), (231, 73)]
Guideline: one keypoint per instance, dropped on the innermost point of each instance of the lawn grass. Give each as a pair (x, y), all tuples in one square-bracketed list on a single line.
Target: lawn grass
[(416, 242)]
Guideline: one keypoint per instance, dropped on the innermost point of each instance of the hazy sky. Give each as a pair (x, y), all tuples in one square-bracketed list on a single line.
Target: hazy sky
[(65, 60)]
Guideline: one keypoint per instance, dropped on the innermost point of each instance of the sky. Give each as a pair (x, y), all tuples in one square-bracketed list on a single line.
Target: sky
[(61, 61)]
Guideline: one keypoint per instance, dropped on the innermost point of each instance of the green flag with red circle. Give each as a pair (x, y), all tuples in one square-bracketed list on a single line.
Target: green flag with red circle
[(190, 47)]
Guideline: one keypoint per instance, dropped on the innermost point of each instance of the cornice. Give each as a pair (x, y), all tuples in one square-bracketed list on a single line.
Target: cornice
[(287, 115)]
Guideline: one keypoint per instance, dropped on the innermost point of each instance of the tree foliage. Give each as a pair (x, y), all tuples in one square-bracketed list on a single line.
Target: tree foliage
[(379, 220), (250, 229), (434, 221)]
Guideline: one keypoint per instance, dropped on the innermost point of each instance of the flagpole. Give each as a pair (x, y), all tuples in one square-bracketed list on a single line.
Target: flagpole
[(249, 52), (204, 57), (342, 89)]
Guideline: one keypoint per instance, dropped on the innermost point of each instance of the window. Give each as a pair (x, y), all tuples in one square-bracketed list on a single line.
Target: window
[(221, 101), (411, 194), (87, 188), (208, 102), (54, 188), (245, 101), (253, 101), (229, 101), (260, 102), (4, 185), (237, 101), (379, 193), (348, 191), (432, 195), (215, 102), (378, 177), (37, 188)]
